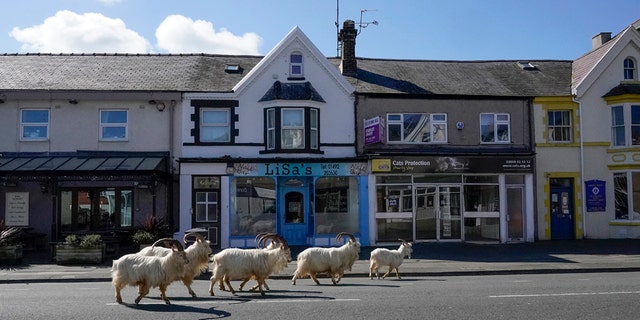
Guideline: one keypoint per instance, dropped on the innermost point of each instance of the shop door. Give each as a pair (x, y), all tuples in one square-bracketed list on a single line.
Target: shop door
[(294, 204), (515, 214), (437, 214), (562, 220)]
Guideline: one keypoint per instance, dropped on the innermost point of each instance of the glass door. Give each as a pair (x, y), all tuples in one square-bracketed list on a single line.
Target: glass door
[(437, 215), (515, 209)]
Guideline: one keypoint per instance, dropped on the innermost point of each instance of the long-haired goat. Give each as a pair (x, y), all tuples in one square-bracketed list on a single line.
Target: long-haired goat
[(149, 271), (334, 261), (234, 263), (392, 258), (197, 253)]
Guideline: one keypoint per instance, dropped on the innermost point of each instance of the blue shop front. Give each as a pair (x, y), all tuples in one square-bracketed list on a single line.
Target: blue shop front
[(306, 202)]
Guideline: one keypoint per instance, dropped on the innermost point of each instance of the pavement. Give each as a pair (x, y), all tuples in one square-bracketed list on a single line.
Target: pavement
[(429, 259)]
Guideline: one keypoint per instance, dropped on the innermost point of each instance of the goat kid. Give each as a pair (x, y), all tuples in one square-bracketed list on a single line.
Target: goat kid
[(393, 258)]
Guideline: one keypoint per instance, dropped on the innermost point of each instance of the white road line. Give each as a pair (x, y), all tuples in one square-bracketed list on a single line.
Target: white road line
[(563, 294)]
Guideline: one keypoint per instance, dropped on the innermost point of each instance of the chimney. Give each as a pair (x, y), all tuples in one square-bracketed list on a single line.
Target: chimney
[(600, 39), (348, 63)]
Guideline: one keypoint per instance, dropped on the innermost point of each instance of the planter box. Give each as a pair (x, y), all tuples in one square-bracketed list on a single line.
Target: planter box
[(68, 254), (10, 255)]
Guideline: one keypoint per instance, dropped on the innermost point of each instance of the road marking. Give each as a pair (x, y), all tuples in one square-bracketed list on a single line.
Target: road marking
[(563, 294)]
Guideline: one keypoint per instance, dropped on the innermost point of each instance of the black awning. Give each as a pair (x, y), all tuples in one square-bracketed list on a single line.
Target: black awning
[(77, 162)]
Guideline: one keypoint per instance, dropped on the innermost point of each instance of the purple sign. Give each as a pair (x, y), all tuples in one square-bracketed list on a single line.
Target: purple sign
[(596, 195), (372, 130)]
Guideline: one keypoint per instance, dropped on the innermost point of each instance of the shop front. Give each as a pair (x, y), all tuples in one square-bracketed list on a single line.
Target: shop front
[(306, 203), (453, 199)]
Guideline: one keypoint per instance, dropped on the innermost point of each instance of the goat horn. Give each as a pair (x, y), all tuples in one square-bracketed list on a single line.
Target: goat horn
[(404, 243), (264, 238), (198, 236), (155, 244), (341, 234), (283, 240), (260, 235), (176, 244)]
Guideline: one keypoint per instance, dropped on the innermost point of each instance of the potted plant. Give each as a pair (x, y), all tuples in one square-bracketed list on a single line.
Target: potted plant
[(10, 245), (84, 249), (151, 229)]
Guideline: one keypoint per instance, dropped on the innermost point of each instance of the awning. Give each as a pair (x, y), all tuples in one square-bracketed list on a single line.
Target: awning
[(77, 162)]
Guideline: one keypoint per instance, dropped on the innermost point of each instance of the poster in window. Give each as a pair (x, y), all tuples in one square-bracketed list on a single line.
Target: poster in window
[(17, 209)]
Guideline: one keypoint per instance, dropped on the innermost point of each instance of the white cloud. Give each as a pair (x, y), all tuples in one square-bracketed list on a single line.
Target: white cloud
[(68, 32), (110, 2), (179, 34)]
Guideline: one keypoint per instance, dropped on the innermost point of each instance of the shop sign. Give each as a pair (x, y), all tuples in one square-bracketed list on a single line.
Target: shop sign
[(17, 209), (373, 130), (596, 195), (301, 169), (453, 165)]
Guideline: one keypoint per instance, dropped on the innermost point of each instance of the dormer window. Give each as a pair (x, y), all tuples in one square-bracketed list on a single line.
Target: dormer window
[(630, 69), (295, 65)]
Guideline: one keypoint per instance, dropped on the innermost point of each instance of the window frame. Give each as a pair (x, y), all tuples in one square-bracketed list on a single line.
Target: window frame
[(552, 127), (275, 130), (625, 125), (293, 65), (625, 208), (105, 125), (629, 69), (204, 124), (34, 124), (398, 119), (496, 123)]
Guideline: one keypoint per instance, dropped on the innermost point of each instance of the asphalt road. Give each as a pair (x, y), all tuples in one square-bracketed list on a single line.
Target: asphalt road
[(531, 296)]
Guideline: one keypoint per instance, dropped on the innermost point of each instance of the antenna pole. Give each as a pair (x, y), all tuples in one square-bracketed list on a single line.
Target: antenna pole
[(337, 28)]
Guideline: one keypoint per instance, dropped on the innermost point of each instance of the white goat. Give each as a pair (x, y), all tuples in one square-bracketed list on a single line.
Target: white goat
[(149, 271), (234, 263), (334, 261), (392, 258), (197, 253)]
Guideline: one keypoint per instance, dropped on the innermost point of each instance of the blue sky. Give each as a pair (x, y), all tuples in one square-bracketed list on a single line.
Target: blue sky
[(406, 29)]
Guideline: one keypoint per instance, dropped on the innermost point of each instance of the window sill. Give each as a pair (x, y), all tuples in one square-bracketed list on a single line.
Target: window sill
[(622, 223)]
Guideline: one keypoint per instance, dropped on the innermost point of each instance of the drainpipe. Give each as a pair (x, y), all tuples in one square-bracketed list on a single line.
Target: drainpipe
[(583, 206)]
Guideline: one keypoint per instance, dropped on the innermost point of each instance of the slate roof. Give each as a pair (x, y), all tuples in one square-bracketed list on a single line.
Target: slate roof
[(206, 73), (122, 72), (471, 78)]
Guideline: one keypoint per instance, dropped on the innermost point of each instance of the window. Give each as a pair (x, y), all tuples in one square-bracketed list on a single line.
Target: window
[(625, 125), (336, 201), (295, 65), (292, 129), (623, 182), (215, 125), (113, 125), (495, 128), (206, 206), (629, 69), (253, 206), (417, 128), (559, 125), (34, 124), (86, 210)]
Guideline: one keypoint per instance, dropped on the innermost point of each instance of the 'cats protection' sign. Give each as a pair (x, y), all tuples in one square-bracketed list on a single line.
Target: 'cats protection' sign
[(596, 195)]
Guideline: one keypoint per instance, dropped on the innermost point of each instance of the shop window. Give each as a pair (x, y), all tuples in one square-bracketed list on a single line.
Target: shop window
[(559, 125), (113, 125), (292, 129), (482, 229), (95, 210), (215, 125), (625, 125), (623, 182), (336, 205), (495, 128), (34, 124), (417, 128), (253, 206)]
